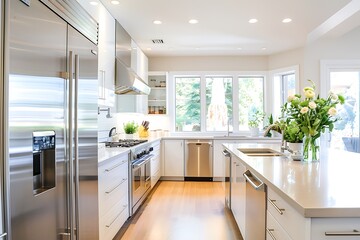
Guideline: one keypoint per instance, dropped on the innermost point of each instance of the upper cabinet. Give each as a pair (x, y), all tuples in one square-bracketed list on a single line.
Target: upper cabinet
[(139, 62), (157, 97), (106, 56)]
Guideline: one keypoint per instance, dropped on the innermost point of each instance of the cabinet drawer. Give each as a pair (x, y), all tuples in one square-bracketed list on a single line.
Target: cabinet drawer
[(155, 165), (111, 222), (110, 196), (320, 226), (273, 229), (111, 172), (292, 221)]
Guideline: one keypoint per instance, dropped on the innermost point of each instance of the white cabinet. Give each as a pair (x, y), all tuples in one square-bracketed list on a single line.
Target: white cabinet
[(113, 195), (157, 97), (106, 58), (155, 163), (287, 217), (132, 103), (174, 163), (218, 160), (238, 193), (139, 61)]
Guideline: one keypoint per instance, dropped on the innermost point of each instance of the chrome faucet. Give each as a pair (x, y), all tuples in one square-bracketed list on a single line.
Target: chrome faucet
[(283, 141)]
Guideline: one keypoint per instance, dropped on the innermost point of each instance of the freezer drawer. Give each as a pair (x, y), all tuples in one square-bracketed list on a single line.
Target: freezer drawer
[(198, 160)]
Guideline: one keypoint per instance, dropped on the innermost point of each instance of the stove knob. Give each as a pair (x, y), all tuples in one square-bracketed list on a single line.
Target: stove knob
[(151, 149), (138, 155)]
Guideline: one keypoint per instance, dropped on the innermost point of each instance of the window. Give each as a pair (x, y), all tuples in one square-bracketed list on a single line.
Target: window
[(209, 102), (343, 76), (284, 86), (218, 103), (251, 99), (187, 102), (346, 132)]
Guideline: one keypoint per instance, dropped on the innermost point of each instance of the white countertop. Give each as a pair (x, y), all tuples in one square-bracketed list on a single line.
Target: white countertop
[(328, 188)]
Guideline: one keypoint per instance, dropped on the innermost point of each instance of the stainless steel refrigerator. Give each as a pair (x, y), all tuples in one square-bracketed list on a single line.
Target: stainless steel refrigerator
[(51, 80)]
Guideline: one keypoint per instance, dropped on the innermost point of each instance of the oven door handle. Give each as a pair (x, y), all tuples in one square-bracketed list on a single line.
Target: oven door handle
[(143, 161)]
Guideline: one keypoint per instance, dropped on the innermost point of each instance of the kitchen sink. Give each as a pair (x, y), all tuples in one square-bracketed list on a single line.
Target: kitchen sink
[(260, 152)]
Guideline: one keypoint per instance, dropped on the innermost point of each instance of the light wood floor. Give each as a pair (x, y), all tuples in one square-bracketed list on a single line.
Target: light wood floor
[(182, 210)]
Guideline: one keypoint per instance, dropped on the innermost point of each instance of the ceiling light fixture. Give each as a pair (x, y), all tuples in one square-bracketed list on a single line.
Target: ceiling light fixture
[(239, 48), (157, 22), (264, 48), (149, 49), (93, 3), (115, 2), (286, 20), (193, 21), (253, 20)]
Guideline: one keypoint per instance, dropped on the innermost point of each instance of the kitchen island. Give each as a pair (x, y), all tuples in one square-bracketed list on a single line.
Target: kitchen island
[(318, 197)]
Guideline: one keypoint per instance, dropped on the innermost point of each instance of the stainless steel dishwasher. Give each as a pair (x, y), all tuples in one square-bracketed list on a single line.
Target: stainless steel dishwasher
[(198, 160), (255, 213)]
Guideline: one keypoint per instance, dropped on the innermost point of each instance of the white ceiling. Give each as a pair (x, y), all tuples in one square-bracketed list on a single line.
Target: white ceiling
[(223, 25)]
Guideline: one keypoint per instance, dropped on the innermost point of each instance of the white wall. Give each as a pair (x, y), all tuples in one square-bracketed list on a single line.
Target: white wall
[(344, 47)]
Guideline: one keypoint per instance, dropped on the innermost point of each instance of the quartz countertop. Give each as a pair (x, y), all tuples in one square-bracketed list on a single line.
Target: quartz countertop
[(328, 188)]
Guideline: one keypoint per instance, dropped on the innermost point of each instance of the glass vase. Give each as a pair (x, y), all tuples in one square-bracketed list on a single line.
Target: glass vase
[(311, 149)]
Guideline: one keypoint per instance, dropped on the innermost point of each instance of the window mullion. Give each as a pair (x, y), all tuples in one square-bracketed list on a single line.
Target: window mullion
[(235, 97), (203, 103)]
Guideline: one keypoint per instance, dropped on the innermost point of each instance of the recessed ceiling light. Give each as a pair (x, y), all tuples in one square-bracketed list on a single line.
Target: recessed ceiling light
[(149, 49), (197, 48), (286, 20), (239, 48), (264, 48), (193, 21), (93, 3), (253, 20), (115, 2), (157, 22)]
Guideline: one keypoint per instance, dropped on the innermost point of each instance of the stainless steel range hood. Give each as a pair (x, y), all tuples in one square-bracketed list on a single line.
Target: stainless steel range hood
[(128, 82)]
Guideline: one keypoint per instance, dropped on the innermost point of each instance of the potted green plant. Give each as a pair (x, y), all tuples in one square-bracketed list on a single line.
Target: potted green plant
[(130, 128), (254, 122)]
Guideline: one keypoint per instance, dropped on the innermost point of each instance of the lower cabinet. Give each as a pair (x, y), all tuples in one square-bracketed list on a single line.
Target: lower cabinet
[(174, 160), (113, 195), (155, 163), (285, 223), (238, 193)]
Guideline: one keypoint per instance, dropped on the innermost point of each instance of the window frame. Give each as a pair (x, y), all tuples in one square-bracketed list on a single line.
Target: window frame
[(280, 73)]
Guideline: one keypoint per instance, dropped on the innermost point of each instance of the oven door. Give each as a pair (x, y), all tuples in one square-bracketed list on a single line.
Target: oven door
[(138, 187)]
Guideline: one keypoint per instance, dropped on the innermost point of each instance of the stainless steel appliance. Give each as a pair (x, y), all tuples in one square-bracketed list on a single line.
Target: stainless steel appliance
[(52, 120), (255, 207), (140, 175), (227, 174), (198, 160), (3, 143), (125, 143), (128, 82)]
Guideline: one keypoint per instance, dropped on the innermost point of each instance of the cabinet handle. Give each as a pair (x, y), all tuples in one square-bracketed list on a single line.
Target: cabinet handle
[(115, 166), (280, 210), (353, 233), (270, 232), (108, 225), (226, 153), (3, 235), (110, 191)]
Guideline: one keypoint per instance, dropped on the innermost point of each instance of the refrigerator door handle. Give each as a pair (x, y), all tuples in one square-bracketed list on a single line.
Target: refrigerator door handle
[(76, 145), (71, 142), (3, 235)]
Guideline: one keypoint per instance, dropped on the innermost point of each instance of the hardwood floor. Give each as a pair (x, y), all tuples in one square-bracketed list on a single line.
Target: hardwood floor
[(182, 210)]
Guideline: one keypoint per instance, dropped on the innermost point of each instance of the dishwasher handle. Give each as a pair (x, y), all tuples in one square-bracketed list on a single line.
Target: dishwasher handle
[(248, 175), (198, 143)]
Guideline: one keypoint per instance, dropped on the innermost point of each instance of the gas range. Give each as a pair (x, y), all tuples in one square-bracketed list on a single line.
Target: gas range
[(125, 143)]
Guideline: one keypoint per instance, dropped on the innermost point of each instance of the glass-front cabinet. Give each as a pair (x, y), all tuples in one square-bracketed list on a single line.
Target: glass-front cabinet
[(157, 97)]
